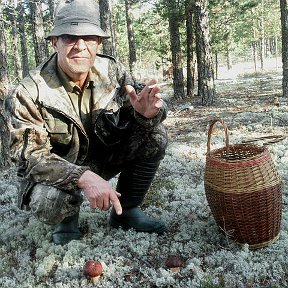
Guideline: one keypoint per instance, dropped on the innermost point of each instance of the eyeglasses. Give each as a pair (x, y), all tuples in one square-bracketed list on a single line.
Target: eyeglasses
[(71, 40)]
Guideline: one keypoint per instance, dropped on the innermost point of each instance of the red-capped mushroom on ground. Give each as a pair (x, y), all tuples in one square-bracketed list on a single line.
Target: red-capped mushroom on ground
[(93, 270), (174, 263)]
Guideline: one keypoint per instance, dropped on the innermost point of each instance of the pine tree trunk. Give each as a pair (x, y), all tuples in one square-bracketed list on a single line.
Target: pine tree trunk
[(189, 41), (254, 46), (4, 79), (40, 46), (262, 43), (284, 24), (21, 29), (206, 86), (131, 38), (228, 57), (4, 140), (178, 78), (16, 56), (255, 55), (105, 23), (216, 65), (4, 86), (276, 50), (51, 10)]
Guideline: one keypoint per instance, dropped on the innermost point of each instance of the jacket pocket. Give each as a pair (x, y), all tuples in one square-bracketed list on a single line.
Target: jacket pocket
[(59, 131)]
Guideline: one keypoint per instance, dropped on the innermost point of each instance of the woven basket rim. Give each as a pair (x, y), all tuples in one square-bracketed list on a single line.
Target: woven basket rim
[(262, 150), (238, 163)]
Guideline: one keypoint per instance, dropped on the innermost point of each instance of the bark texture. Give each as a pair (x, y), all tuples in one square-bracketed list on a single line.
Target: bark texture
[(206, 85), (178, 78), (40, 47), (131, 37), (284, 24), (106, 25)]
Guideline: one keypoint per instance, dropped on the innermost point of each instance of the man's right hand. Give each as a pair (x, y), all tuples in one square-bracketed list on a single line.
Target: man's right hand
[(99, 192)]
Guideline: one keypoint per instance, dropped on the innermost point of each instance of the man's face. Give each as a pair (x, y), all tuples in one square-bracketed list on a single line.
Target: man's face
[(76, 55)]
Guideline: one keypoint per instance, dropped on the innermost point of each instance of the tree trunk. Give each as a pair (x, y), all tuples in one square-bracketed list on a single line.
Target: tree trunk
[(262, 43), (51, 9), (40, 47), (276, 50), (189, 40), (254, 52), (206, 85), (4, 82), (4, 79), (5, 160), (228, 53), (16, 56), (131, 38), (106, 25), (21, 29), (284, 26), (254, 47), (216, 65), (178, 78)]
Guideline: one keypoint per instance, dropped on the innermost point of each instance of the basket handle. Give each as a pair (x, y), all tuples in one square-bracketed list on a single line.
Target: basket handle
[(271, 139), (210, 131)]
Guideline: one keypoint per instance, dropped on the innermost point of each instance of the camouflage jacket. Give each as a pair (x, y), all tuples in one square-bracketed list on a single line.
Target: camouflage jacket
[(48, 141)]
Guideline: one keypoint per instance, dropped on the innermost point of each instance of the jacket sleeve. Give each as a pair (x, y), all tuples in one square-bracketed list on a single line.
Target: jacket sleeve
[(30, 146)]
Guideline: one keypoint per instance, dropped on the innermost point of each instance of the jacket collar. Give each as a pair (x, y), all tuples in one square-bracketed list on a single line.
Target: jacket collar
[(51, 92)]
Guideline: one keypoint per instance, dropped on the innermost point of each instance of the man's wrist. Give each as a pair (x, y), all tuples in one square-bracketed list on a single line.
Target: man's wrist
[(148, 122), (78, 174)]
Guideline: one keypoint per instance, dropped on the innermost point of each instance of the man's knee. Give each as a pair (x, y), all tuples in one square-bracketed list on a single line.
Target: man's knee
[(157, 143), (51, 205)]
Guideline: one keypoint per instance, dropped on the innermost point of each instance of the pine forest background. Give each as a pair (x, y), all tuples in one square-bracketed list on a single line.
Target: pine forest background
[(151, 35)]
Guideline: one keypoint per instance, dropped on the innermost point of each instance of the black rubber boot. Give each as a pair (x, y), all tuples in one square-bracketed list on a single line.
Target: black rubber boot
[(133, 185), (135, 218), (67, 230)]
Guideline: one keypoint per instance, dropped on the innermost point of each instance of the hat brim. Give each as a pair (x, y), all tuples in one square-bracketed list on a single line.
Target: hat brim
[(77, 29)]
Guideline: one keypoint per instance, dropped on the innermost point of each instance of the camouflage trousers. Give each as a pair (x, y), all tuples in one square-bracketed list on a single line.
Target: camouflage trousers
[(51, 205)]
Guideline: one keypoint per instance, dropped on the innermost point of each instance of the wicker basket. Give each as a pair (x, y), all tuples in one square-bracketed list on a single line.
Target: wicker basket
[(243, 190)]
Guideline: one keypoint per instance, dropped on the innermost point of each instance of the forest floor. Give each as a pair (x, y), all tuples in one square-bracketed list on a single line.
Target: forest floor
[(246, 102)]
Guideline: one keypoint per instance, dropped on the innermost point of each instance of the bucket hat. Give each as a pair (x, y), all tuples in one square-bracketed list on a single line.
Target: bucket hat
[(76, 17)]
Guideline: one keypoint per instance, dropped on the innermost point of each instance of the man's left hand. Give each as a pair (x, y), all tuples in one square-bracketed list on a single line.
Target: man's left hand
[(148, 102)]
